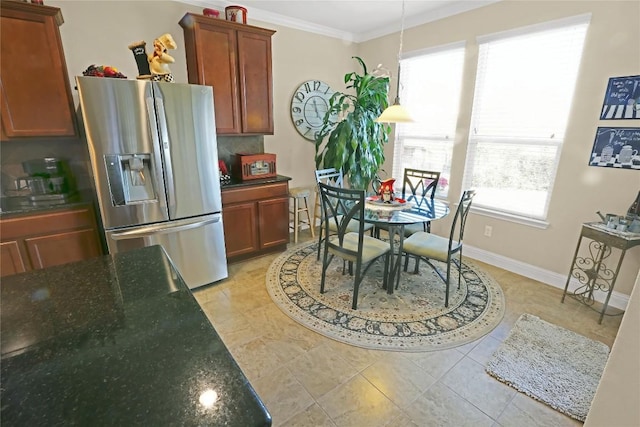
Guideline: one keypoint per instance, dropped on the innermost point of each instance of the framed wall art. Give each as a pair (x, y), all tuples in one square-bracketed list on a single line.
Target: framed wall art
[(622, 99), (616, 148)]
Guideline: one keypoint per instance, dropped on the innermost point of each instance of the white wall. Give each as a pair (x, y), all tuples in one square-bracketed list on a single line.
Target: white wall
[(612, 48)]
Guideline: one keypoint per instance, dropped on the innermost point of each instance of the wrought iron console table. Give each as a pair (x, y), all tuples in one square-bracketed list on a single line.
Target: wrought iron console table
[(590, 270)]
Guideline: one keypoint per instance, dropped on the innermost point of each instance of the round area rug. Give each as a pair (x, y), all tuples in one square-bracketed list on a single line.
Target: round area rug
[(413, 318)]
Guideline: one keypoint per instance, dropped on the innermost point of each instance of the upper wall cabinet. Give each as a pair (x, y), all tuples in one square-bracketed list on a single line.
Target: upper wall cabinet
[(36, 94), (235, 59)]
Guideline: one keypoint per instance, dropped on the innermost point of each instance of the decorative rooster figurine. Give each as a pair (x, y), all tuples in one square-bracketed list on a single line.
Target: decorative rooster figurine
[(385, 191)]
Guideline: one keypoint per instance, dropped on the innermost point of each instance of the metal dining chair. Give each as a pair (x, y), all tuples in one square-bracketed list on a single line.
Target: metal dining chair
[(343, 208), (334, 178), (426, 246), (417, 183)]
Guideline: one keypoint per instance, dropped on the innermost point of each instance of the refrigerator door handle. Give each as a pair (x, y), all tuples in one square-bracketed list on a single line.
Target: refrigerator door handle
[(161, 229), (164, 143), (156, 140)]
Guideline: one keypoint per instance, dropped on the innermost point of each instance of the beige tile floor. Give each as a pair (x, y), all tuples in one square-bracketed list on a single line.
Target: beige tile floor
[(306, 379)]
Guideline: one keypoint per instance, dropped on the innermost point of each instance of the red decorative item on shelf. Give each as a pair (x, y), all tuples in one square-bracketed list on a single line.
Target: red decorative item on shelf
[(236, 14), (211, 13)]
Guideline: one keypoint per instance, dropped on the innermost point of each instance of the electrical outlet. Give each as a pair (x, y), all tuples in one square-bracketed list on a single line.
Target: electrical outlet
[(488, 230)]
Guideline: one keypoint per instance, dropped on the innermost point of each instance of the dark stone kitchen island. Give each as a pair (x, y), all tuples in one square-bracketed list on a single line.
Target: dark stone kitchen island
[(116, 340)]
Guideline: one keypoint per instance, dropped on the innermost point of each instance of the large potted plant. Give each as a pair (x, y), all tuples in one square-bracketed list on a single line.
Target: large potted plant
[(355, 142)]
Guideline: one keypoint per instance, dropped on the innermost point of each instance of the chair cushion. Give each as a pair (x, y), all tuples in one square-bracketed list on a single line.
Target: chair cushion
[(352, 227), (428, 245), (371, 247)]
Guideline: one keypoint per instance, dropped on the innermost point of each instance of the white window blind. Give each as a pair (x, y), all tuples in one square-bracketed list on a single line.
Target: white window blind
[(524, 89), (431, 83)]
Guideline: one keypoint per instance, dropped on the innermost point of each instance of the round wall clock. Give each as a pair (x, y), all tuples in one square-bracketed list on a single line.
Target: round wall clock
[(309, 104)]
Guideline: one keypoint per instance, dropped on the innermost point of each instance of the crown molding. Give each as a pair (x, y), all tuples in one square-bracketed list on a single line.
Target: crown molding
[(298, 24), (275, 18), (454, 8)]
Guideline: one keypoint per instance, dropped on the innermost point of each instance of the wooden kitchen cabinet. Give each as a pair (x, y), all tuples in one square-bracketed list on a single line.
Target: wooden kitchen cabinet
[(11, 261), (235, 59), (256, 219), (36, 94), (46, 239)]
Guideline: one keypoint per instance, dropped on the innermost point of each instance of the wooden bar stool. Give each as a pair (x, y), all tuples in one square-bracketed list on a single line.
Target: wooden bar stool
[(298, 193)]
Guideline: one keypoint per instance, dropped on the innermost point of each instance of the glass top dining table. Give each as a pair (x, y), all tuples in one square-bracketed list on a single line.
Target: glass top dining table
[(396, 216)]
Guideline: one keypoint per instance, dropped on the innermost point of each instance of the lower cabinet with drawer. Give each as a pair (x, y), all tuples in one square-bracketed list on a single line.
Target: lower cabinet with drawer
[(256, 219), (43, 240)]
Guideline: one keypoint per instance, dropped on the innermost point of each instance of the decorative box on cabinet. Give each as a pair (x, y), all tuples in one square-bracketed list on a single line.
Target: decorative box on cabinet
[(46, 239), (236, 60), (256, 219), (36, 94)]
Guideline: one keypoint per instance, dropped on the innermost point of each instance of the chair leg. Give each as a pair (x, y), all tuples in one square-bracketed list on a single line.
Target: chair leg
[(417, 267), (311, 225), (296, 219), (446, 296), (319, 241), (385, 280), (325, 265), (356, 284), (459, 269)]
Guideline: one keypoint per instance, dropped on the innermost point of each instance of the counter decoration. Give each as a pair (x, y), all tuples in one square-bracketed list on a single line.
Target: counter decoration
[(103, 71), (236, 14), (225, 176), (385, 191), (160, 59), (211, 12), (139, 50)]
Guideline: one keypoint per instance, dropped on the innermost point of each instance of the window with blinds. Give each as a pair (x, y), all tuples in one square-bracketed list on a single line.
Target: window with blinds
[(430, 83), (524, 88)]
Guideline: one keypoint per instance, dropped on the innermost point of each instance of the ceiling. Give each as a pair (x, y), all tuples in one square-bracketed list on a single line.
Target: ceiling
[(354, 20)]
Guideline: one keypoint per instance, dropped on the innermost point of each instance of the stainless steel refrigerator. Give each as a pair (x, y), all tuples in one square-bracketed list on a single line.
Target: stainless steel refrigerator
[(154, 160)]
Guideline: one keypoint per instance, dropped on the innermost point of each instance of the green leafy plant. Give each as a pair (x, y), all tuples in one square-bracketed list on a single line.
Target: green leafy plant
[(355, 143)]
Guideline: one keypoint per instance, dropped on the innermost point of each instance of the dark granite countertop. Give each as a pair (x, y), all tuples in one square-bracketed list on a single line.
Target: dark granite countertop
[(116, 340), (235, 183), (20, 206)]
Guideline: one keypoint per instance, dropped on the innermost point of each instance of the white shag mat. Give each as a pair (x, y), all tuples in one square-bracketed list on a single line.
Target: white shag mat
[(551, 364)]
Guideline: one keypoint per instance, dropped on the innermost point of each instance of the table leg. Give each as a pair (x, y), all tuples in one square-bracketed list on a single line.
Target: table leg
[(573, 263), (613, 282), (593, 274), (395, 257)]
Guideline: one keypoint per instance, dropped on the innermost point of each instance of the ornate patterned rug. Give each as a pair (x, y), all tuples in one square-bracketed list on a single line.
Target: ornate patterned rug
[(413, 318)]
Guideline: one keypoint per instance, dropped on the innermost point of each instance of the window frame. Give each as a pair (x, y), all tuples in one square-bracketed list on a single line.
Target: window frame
[(400, 134), (474, 139)]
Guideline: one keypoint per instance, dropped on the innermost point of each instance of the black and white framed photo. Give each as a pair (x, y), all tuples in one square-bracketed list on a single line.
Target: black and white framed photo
[(622, 99), (616, 148)]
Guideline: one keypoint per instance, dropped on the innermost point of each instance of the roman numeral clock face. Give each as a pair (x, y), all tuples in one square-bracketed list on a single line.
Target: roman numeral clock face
[(309, 104)]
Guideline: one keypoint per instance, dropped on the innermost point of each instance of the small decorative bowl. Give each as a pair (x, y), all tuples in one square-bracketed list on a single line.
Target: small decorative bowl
[(211, 13)]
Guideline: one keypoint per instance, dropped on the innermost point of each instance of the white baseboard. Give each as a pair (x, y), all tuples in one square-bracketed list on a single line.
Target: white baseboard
[(617, 299)]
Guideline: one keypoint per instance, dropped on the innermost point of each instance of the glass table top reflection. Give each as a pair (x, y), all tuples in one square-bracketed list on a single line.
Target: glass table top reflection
[(414, 210)]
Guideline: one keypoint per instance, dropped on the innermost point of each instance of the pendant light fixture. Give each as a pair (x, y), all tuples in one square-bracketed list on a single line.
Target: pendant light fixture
[(396, 113)]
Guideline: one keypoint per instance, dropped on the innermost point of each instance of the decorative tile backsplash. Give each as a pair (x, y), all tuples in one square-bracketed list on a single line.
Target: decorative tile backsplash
[(228, 146)]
